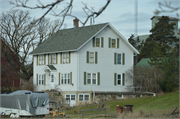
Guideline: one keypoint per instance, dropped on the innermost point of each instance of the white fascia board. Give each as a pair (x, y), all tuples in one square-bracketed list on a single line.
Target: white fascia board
[(92, 37), (53, 52), (126, 41)]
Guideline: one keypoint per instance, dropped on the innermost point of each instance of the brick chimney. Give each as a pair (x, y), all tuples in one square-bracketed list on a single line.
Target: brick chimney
[(76, 22)]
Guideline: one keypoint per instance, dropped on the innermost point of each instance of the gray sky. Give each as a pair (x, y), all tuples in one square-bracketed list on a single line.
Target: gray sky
[(120, 13)]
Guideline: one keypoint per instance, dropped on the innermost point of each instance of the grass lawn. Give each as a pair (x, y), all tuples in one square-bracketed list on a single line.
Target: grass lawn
[(147, 105)]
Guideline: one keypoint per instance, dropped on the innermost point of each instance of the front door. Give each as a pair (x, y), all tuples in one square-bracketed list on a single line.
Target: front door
[(71, 99)]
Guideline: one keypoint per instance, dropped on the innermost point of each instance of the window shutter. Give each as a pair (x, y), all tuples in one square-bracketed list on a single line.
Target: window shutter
[(98, 78), (59, 78), (115, 78), (37, 59), (61, 58), (70, 78), (44, 59), (48, 59), (109, 42), (37, 80), (84, 78), (123, 58), (56, 58), (117, 42), (123, 83), (115, 54), (87, 57), (93, 43), (96, 55), (69, 57), (44, 79), (102, 42)]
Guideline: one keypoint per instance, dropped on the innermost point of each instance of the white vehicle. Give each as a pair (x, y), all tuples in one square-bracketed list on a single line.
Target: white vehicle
[(24, 103)]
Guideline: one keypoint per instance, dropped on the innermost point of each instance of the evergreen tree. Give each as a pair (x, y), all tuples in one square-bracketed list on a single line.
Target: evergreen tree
[(163, 34), (135, 42)]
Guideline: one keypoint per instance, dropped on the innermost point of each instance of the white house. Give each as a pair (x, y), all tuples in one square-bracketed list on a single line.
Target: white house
[(84, 62)]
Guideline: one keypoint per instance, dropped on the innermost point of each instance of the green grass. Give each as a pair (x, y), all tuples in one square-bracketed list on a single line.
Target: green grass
[(157, 104), (170, 100)]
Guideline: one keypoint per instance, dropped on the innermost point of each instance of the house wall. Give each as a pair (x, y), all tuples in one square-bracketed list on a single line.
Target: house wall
[(61, 68), (105, 64)]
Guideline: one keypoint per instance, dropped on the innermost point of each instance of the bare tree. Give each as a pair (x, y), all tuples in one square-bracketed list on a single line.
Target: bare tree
[(166, 7), (22, 37), (64, 12), (145, 78)]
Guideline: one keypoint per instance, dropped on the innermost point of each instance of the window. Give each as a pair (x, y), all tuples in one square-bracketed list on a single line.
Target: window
[(119, 96), (91, 57), (83, 97), (86, 97), (52, 59), (65, 78), (98, 42), (113, 43), (52, 78), (118, 58), (80, 97), (67, 97), (41, 79), (91, 78), (41, 59), (72, 97), (119, 79), (66, 58)]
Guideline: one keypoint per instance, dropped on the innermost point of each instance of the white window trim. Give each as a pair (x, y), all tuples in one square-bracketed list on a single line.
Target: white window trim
[(83, 97), (41, 59), (65, 58), (53, 78), (93, 59), (119, 97), (91, 78), (63, 78), (117, 80), (40, 79), (115, 42), (52, 58), (117, 58)]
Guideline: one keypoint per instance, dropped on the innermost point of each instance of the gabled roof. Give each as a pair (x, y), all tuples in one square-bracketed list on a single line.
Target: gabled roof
[(144, 62), (73, 39)]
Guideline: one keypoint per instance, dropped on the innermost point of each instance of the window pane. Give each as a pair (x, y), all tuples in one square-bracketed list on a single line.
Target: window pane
[(88, 75), (94, 76), (65, 78), (94, 81), (67, 57), (97, 42), (64, 57), (113, 43), (67, 97), (119, 82), (88, 81), (39, 82), (86, 97), (118, 58), (80, 97), (42, 81), (62, 78), (52, 78), (72, 97), (119, 76)]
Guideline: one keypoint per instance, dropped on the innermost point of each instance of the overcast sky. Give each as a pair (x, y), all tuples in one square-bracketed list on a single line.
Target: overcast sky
[(120, 13)]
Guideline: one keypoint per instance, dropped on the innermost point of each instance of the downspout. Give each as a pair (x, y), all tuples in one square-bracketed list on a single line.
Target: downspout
[(94, 97)]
